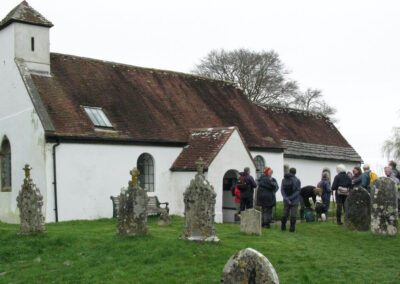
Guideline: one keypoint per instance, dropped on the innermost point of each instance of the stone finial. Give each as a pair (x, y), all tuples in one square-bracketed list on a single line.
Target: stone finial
[(135, 175), (200, 165), (27, 170)]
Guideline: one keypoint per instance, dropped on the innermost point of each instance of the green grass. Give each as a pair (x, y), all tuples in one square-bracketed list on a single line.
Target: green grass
[(93, 253)]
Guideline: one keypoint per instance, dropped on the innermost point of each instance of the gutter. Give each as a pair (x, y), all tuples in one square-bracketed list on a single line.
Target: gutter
[(55, 179)]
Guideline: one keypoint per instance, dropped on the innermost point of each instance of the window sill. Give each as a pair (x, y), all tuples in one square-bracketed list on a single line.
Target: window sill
[(6, 189)]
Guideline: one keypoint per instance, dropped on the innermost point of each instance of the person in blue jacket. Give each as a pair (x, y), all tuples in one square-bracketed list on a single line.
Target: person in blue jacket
[(340, 180), (290, 189)]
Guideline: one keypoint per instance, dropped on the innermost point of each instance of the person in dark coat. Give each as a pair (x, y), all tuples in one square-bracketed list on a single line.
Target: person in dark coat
[(325, 186), (340, 180), (290, 190), (267, 187), (306, 193), (357, 177), (246, 196)]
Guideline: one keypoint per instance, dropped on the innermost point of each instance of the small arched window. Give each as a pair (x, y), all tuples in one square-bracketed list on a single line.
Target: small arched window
[(145, 164), (5, 165), (260, 166)]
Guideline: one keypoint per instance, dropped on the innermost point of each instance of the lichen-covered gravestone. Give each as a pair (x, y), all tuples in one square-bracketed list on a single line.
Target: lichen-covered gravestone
[(132, 218), (250, 222), (30, 202), (358, 210), (199, 199), (384, 207), (249, 266)]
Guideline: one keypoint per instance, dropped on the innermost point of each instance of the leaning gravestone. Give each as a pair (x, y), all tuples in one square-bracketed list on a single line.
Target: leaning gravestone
[(30, 202), (250, 222), (199, 199), (384, 207), (358, 210), (132, 218), (249, 266)]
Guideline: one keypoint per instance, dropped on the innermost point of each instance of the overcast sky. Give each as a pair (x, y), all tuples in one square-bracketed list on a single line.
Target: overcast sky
[(348, 49)]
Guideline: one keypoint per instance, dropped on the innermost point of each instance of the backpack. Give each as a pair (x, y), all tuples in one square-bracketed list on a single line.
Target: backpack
[(309, 215), (372, 177), (241, 183), (288, 186)]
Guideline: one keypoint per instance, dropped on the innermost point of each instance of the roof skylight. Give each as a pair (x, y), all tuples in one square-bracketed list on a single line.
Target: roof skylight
[(98, 117)]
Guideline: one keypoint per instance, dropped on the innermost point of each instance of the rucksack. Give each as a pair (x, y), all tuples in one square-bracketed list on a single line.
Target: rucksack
[(288, 185), (309, 215), (372, 177), (241, 183)]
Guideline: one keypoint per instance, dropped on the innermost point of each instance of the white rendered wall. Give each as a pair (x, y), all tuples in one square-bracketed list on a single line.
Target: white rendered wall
[(20, 123), (309, 171), (232, 156), (88, 174), (39, 59)]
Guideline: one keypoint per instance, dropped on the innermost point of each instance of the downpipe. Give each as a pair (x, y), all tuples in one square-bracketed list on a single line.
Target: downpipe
[(55, 179)]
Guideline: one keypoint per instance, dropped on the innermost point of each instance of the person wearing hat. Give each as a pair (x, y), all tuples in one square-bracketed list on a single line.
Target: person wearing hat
[(267, 187)]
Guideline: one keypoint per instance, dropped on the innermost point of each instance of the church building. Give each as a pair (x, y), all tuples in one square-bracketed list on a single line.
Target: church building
[(82, 124)]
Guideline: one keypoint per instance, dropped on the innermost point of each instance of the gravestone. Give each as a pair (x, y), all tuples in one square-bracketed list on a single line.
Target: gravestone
[(250, 222), (164, 219), (249, 266), (30, 202), (358, 210), (199, 199), (384, 207), (132, 218)]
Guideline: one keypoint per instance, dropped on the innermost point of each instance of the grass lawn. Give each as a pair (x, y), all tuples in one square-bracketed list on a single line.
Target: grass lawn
[(90, 252)]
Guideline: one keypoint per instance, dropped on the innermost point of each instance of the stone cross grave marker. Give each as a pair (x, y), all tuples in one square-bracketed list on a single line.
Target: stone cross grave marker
[(384, 207), (249, 266), (132, 218), (30, 202), (250, 222), (199, 199), (358, 210)]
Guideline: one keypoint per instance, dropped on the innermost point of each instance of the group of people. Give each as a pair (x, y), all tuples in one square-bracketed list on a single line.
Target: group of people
[(294, 195)]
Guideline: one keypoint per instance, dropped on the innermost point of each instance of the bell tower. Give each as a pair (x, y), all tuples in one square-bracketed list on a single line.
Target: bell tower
[(24, 36)]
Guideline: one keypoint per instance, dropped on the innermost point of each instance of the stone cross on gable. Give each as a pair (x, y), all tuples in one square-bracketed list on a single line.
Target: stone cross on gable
[(135, 175), (27, 170), (200, 165)]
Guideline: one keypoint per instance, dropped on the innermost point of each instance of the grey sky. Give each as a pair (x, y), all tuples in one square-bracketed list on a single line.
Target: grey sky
[(348, 49)]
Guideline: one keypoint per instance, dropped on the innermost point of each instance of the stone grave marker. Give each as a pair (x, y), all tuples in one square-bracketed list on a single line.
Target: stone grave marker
[(199, 199), (358, 210), (250, 222), (249, 266), (384, 207), (30, 202), (132, 218), (164, 219)]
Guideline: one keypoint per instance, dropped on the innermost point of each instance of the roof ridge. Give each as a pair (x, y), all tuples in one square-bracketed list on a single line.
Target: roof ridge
[(292, 109), (150, 69)]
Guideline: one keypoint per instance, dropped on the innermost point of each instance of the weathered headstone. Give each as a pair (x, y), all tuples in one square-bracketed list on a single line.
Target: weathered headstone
[(164, 219), (132, 218), (199, 199), (249, 266), (384, 207), (358, 210), (30, 202), (250, 222)]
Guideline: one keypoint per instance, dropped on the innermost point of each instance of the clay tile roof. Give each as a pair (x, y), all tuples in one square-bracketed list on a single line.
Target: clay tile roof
[(205, 143), (24, 13), (145, 104)]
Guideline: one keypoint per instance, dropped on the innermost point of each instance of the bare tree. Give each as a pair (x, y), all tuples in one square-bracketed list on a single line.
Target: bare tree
[(391, 147), (263, 78), (261, 75)]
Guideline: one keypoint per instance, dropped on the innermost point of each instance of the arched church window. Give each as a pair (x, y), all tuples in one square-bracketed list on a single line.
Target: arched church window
[(260, 166), (145, 164), (5, 165)]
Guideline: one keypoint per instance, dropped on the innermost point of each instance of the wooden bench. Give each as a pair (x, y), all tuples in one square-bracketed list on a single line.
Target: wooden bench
[(153, 206)]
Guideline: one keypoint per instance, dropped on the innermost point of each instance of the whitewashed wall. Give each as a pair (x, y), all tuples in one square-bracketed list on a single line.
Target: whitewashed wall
[(309, 171), (88, 174), (21, 124), (233, 156)]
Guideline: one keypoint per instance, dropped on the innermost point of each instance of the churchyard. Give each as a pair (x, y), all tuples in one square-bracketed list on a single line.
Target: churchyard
[(91, 251)]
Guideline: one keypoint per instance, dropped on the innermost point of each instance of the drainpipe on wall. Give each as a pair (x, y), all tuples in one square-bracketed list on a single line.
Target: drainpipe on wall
[(55, 179)]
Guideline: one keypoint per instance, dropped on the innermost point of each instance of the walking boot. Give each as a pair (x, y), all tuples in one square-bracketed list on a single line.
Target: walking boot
[(283, 225), (292, 224)]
